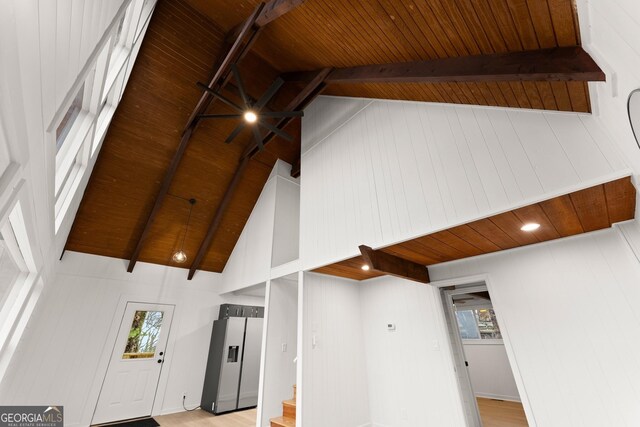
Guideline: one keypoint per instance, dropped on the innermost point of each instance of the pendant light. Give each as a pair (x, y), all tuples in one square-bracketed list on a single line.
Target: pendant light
[(180, 256)]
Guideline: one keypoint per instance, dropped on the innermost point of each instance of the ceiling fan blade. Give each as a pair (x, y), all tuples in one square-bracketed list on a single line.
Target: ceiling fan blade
[(235, 133), (282, 113), (258, 137), (279, 132), (240, 83), (220, 97), (220, 116), (266, 97)]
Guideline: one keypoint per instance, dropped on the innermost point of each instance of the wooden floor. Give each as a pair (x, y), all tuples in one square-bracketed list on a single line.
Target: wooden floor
[(494, 413), (500, 413), (202, 418)]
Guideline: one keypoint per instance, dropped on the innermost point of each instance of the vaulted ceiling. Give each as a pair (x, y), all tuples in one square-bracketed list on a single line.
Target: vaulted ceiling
[(184, 39)]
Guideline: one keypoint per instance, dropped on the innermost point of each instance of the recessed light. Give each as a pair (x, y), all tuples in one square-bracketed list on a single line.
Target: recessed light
[(365, 267), (531, 226), (250, 117)]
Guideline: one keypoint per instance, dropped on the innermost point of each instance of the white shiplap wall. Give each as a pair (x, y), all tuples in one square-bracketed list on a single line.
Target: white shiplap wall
[(410, 371), (65, 352), (568, 308), (335, 391), (265, 241), (396, 170)]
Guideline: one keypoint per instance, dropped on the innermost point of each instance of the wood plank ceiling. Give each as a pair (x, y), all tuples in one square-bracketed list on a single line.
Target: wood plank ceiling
[(186, 36), (336, 33), (579, 212)]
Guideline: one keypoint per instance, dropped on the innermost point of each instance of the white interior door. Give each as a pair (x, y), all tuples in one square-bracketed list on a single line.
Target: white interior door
[(129, 387)]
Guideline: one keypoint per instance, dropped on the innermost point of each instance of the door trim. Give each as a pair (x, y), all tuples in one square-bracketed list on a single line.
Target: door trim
[(504, 329), (113, 337)]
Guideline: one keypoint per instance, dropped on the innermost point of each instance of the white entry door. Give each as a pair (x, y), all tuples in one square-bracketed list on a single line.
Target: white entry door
[(129, 388)]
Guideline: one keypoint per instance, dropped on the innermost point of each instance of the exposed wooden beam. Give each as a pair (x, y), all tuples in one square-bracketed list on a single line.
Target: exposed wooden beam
[(217, 218), (557, 64), (393, 265), (237, 50), (164, 188), (272, 11), (232, 56)]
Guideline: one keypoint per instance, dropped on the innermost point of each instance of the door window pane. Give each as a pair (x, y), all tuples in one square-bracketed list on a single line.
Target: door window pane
[(488, 324), (143, 335)]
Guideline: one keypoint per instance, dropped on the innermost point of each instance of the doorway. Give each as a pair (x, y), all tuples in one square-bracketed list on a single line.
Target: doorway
[(488, 389), (130, 384)]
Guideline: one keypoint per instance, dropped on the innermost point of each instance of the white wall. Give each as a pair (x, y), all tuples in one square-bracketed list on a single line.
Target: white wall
[(609, 30), (490, 371), (396, 170), (265, 241), (410, 371), (334, 376), (64, 353), (279, 372), (567, 308)]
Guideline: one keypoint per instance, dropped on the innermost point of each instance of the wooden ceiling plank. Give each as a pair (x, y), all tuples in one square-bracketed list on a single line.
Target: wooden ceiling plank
[(561, 95), (562, 214), (520, 94), (236, 51), (523, 24), (217, 217), (539, 11), (493, 233), (547, 95), (394, 266), (562, 18), (618, 193), (506, 25), (591, 207), (579, 94), (472, 22), (557, 64), (533, 94), (474, 238), (452, 240), (416, 253)]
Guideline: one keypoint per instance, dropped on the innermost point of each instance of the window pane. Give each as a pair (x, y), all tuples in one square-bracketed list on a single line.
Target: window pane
[(143, 335), (69, 118), (467, 325), (488, 324), (9, 271)]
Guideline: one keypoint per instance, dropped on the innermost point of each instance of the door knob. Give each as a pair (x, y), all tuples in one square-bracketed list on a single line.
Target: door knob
[(161, 353), (159, 360)]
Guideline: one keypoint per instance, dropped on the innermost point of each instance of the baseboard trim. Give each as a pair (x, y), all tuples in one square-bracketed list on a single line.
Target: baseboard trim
[(499, 397)]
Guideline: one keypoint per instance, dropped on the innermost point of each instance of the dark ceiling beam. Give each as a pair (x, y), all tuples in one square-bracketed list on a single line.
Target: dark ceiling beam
[(236, 51), (393, 265), (557, 64), (272, 11), (301, 100)]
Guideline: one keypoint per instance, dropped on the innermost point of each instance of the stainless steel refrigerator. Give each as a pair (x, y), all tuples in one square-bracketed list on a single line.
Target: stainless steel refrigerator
[(233, 367)]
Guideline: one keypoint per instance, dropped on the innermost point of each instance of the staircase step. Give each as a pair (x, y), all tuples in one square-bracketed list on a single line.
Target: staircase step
[(289, 408), (283, 422)]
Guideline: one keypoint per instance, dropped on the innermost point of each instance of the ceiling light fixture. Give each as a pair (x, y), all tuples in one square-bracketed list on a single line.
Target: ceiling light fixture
[(531, 226), (365, 267), (181, 256), (250, 117)]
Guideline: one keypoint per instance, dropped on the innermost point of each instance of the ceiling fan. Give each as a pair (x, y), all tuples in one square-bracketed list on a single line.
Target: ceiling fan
[(253, 114)]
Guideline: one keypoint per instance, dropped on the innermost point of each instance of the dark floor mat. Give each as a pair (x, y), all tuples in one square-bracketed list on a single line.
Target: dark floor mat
[(147, 422)]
